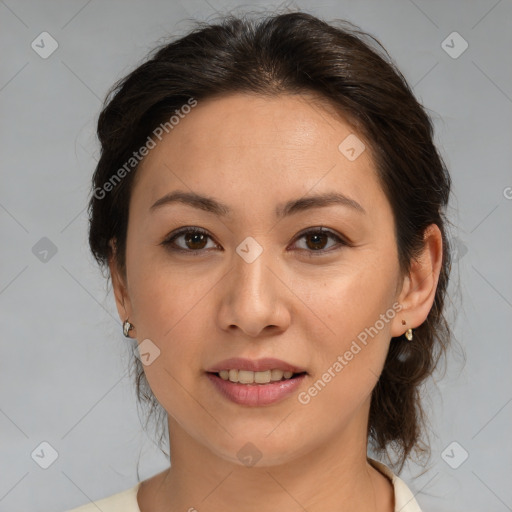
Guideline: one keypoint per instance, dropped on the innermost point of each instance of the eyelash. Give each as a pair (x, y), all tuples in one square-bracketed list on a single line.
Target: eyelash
[(169, 241)]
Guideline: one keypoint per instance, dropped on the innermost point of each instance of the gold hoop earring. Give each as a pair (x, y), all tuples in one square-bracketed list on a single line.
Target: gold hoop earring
[(127, 327)]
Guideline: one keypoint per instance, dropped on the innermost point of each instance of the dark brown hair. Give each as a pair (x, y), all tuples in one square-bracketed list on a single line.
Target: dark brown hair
[(286, 54)]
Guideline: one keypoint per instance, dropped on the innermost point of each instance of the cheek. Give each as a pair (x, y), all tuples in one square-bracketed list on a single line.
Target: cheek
[(170, 306), (349, 362), (351, 341), (352, 299), (170, 310), (164, 295)]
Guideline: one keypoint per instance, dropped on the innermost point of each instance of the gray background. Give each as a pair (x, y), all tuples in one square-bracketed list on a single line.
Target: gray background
[(63, 360)]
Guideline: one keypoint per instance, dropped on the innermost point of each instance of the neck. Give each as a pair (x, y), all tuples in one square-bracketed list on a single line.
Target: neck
[(336, 476)]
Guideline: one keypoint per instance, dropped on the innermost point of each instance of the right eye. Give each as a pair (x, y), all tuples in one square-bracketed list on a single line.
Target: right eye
[(194, 239)]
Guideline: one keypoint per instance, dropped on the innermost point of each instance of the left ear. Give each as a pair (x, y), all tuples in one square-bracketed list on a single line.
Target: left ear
[(419, 286)]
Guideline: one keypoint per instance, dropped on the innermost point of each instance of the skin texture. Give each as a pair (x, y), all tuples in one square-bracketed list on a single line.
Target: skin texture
[(254, 153)]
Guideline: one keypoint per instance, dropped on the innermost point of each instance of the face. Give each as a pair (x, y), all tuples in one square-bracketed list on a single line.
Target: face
[(261, 280)]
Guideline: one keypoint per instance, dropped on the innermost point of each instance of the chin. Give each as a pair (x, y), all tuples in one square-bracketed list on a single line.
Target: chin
[(260, 449)]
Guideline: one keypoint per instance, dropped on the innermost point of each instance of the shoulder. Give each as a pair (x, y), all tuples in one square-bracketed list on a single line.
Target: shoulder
[(125, 501), (404, 498)]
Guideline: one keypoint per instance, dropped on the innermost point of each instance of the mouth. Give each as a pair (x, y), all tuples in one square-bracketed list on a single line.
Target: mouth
[(262, 378), (242, 387), (256, 382)]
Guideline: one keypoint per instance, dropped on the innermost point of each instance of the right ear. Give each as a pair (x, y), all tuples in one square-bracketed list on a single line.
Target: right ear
[(119, 284)]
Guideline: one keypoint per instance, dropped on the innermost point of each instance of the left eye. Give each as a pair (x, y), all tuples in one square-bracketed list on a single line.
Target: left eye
[(318, 236), (196, 238)]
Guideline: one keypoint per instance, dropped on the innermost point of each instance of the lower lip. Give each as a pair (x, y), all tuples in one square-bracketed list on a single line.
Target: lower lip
[(256, 394)]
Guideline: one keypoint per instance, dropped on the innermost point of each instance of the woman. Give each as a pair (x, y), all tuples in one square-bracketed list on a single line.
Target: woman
[(270, 206)]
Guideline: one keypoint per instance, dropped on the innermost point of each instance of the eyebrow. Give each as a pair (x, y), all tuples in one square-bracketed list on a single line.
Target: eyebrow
[(294, 206)]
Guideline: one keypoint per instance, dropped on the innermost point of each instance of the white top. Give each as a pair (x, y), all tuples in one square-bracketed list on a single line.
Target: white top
[(126, 501)]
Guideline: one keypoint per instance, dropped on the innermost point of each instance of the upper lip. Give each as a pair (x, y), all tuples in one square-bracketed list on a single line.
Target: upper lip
[(255, 365)]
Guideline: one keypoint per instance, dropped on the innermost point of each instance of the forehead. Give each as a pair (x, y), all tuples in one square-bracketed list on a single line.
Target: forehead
[(302, 123), (258, 148)]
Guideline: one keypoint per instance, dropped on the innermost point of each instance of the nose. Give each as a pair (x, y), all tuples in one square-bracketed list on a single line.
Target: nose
[(254, 297)]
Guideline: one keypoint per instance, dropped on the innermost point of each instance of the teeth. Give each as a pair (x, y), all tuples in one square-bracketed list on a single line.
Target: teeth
[(248, 377)]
